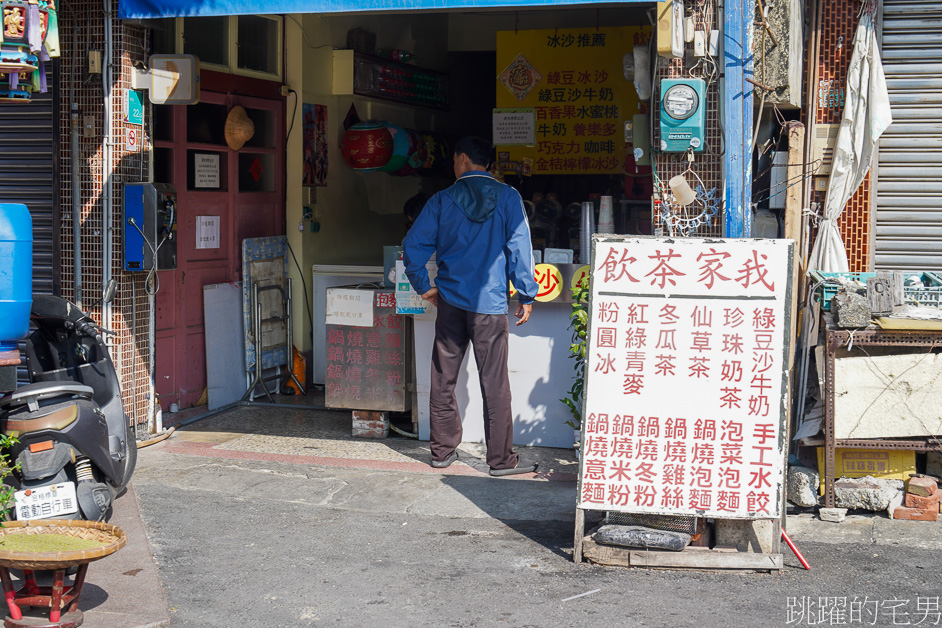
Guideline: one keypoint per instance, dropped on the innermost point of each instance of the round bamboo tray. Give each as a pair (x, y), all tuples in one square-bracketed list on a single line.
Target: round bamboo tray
[(112, 538)]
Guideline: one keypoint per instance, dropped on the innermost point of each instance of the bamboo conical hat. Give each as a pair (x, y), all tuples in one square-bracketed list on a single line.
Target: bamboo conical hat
[(239, 128)]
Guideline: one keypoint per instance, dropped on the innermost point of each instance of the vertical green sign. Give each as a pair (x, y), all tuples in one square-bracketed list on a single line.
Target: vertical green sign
[(134, 107)]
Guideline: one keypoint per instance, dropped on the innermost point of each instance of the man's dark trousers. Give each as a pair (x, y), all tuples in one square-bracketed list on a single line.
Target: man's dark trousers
[(487, 333)]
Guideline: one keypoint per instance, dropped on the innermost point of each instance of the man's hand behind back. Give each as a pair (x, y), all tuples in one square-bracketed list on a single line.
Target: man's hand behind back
[(523, 313), (431, 296)]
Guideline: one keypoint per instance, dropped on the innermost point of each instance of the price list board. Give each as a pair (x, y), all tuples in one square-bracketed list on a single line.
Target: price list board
[(686, 377), (573, 81), (368, 366)]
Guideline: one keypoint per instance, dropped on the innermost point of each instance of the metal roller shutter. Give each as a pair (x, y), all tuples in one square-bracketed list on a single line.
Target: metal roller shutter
[(909, 173), (29, 174)]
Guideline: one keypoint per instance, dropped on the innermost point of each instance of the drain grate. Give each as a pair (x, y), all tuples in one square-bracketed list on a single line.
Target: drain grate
[(670, 523)]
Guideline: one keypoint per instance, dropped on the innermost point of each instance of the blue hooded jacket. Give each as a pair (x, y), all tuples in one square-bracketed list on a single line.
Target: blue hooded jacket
[(479, 231)]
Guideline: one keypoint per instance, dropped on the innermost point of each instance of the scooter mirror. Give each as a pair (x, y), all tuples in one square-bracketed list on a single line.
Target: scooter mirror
[(107, 295)]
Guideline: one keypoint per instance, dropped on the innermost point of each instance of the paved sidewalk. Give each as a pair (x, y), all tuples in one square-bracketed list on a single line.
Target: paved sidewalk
[(124, 589), (322, 437)]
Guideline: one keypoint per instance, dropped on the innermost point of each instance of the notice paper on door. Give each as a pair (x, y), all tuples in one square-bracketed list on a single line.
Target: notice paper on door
[(207, 232), (349, 306)]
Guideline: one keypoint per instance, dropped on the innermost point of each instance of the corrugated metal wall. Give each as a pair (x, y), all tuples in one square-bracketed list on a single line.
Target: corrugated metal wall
[(29, 175), (909, 175)]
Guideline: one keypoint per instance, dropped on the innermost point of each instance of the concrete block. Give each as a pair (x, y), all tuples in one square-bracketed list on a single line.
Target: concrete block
[(802, 486), (923, 487), (866, 493), (746, 536), (781, 65), (850, 309), (834, 515), (917, 514), (896, 502), (368, 424), (916, 501)]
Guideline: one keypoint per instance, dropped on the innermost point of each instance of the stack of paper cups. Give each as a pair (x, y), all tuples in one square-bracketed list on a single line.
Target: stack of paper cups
[(606, 216), (585, 234)]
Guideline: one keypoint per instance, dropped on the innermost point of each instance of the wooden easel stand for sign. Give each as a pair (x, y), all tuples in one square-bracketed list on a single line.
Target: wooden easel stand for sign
[(721, 557)]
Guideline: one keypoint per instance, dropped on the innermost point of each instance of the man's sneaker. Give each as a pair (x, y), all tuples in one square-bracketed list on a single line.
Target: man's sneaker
[(441, 464), (523, 466)]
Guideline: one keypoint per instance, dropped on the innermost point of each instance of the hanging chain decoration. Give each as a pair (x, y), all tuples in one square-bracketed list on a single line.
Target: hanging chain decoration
[(29, 39), (679, 224)]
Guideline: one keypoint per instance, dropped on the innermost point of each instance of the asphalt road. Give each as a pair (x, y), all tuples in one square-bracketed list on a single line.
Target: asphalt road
[(250, 543)]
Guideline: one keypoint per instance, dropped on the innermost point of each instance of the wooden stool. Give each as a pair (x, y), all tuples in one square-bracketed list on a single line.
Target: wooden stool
[(56, 598)]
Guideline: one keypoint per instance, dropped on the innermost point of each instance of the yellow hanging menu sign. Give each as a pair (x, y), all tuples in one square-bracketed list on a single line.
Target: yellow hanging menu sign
[(573, 78)]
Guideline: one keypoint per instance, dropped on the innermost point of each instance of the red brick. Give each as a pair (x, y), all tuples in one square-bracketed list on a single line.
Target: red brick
[(367, 424), (916, 514), (915, 501), (923, 487), (366, 415)]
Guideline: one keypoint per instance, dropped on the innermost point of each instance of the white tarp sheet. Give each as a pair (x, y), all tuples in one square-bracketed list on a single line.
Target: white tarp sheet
[(866, 116)]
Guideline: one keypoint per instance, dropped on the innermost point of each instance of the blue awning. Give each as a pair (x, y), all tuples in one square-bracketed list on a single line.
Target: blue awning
[(189, 8)]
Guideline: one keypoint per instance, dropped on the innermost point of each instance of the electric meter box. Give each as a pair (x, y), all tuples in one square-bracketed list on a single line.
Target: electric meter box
[(683, 115), (150, 226)]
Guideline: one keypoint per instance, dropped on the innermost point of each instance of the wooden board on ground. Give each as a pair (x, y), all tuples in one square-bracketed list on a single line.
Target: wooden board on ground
[(696, 558)]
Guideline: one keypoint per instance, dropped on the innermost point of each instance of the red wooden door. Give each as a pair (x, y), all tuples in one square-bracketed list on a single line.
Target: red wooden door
[(243, 192)]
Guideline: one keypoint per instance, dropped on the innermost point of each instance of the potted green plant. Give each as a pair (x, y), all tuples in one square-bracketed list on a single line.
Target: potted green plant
[(6, 491), (578, 322)]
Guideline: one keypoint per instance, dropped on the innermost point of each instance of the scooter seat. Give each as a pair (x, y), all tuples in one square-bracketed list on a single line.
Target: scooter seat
[(31, 394)]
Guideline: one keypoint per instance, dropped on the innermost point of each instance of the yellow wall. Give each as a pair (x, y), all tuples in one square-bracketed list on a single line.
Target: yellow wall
[(358, 213), (294, 78), (478, 31)]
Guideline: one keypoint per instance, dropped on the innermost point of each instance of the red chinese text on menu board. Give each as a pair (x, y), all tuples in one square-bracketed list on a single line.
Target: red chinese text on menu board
[(685, 379), (366, 366)]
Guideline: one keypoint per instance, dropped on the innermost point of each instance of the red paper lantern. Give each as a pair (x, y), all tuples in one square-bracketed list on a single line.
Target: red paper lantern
[(367, 146)]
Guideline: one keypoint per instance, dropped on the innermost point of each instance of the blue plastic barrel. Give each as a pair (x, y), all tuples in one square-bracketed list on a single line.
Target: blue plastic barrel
[(16, 273)]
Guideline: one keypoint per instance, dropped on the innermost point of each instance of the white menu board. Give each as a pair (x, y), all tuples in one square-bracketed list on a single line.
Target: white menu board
[(686, 377)]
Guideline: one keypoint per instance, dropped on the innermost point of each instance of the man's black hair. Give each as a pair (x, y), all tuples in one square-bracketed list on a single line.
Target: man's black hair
[(414, 206), (478, 150)]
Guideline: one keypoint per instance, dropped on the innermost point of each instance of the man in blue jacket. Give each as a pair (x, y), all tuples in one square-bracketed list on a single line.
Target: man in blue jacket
[(478, 230)]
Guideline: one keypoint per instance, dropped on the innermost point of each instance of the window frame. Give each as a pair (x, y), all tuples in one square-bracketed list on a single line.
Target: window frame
[(232, 54)]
